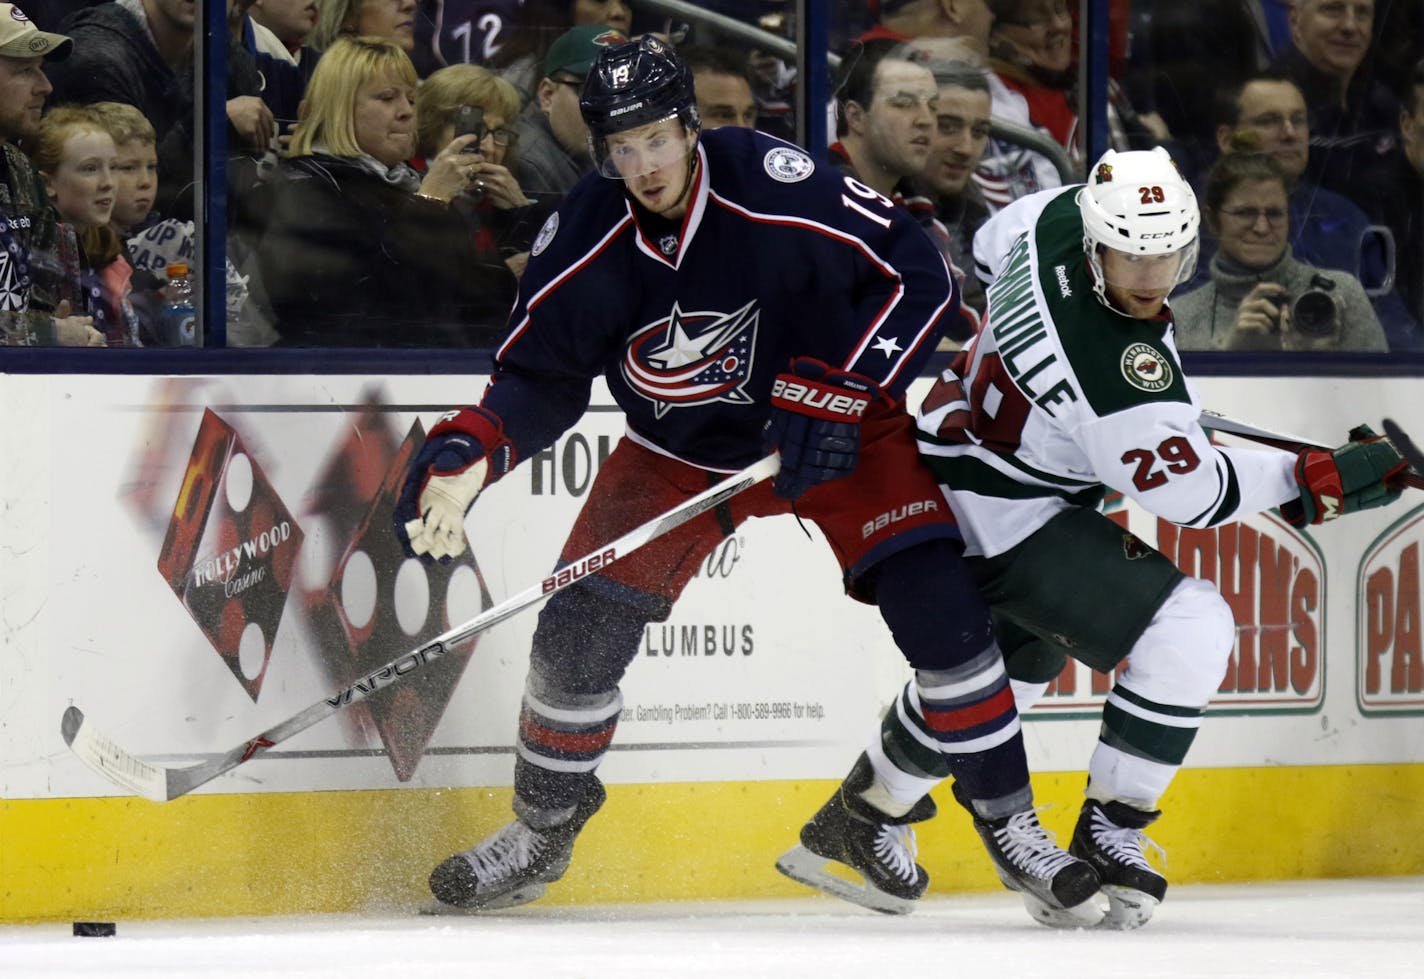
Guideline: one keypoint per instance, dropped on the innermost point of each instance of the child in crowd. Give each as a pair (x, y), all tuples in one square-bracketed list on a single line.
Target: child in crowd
[(76, 156), (135, 190), (135, 168)]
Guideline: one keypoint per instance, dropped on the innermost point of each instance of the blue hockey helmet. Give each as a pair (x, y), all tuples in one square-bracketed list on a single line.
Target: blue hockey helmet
[(632, 85)]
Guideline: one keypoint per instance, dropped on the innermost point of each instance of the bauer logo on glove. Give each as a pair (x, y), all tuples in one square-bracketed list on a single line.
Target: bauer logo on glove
[(817, 399), (816, 413)]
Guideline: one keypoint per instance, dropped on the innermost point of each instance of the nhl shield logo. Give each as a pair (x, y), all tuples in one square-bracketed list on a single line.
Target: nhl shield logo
[(788, 165), (1145, 368)]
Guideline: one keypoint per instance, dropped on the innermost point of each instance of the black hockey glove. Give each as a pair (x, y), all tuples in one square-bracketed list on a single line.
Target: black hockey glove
[(816, 413), (1354, 477), (463, 452)]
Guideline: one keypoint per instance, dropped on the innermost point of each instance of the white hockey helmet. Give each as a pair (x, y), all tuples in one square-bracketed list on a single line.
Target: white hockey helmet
[(1137, 202)]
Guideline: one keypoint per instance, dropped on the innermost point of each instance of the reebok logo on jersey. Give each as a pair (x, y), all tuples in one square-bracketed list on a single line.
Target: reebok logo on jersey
[(1060, 272), (1145, 368)]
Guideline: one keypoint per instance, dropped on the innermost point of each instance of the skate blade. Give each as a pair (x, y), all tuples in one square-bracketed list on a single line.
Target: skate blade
[(1128, 908), (513, 899), (805, 867), (1088, 914)]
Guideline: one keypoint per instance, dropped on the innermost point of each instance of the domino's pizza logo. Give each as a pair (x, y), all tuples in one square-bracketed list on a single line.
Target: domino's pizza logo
[(693, 358)]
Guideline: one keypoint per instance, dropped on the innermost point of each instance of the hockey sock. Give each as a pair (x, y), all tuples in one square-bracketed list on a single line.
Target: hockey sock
[(1140, 747), (562, 739), (960, 723)]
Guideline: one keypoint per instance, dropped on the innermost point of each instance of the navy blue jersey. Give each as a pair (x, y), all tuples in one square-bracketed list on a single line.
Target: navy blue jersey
[(777, 257)]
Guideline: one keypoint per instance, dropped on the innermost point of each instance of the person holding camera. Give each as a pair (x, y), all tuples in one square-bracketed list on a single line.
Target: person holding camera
[(1259, 296), (469, 100)]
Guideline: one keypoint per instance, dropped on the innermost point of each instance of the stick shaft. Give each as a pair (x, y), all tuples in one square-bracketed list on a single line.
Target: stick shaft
[(161, 784), (1218, 422)]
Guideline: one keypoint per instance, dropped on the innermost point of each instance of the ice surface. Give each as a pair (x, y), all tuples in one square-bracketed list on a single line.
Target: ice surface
[(1345, 928)]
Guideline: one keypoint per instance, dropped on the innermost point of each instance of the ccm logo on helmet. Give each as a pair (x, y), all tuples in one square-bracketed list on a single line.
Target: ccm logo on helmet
[(1158, 234), (819, 398)]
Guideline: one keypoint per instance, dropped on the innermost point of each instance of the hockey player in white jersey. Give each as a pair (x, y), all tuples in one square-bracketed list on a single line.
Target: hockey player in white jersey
[(1072, 387)]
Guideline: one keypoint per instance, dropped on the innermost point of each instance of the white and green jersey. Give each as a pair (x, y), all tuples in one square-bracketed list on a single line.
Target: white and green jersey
[(1059, 398)]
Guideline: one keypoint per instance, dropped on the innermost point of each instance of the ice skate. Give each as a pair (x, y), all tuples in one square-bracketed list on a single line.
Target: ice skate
[(1058, 889), (880, 848), (1109, 837), (514, 865)]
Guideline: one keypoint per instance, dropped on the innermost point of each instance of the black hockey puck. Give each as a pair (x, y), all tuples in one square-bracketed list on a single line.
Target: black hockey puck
[(95, 929)]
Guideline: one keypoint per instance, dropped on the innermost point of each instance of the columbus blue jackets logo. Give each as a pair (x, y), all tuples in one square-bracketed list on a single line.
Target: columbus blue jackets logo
[(693, 358)]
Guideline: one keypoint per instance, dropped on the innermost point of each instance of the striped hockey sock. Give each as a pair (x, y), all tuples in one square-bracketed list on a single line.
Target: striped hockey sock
[(562, 739), (961, 723)]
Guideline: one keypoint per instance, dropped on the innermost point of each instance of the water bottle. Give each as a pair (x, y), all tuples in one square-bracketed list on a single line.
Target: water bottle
[(180, 319)]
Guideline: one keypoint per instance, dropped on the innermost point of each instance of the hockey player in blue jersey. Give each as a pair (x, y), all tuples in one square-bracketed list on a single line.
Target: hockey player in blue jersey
[(707, 277)]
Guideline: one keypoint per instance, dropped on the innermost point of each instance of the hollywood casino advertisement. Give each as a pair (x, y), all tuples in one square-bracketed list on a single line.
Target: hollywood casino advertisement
[(193, 560)]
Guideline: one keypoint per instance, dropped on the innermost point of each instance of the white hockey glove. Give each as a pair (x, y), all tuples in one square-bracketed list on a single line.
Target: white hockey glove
[(448, 473)]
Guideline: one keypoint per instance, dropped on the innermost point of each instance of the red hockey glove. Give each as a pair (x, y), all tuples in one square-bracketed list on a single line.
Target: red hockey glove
[(463, 452), (1354, 477), (816, 413)]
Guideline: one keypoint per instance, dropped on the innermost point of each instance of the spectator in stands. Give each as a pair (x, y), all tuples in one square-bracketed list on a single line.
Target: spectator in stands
[(1181, 54), (525, 53), (950, 30), (1259, 296), (1031, 58), (503, 218), (76, 156), (276, 34), (553, 138), (1352, 115), (1404, 177), (135, 165), (961, 133), (1267, 114), (141, 52), (723, 86), (458, 32), (360, 250), (37, 296), (392, 19), (135, 190), (887, 99)]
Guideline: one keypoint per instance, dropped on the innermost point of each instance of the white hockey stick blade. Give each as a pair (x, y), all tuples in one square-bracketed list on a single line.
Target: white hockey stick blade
[(162, 784), (805, 867)]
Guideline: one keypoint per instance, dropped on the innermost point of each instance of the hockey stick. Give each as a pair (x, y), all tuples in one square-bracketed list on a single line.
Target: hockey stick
[(161, 783), (1218, 422)]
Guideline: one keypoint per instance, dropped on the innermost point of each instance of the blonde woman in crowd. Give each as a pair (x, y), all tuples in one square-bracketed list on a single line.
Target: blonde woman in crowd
[(360, 249)]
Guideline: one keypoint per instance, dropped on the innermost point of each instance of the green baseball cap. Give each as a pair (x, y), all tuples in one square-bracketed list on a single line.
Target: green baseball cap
[(574, 51)]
